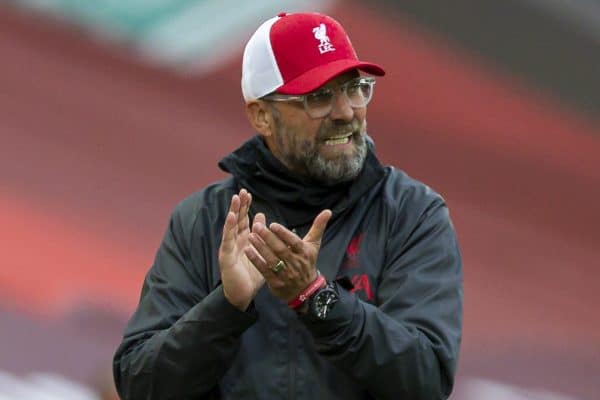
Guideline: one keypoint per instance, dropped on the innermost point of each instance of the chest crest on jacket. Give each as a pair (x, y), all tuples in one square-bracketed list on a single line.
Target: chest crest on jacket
[(353, 267)]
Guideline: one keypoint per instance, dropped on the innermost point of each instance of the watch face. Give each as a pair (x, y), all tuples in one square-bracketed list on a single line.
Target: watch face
[(323, 302)]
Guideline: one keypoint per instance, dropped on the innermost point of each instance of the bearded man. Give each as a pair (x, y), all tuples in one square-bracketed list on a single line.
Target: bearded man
[(312, 272)]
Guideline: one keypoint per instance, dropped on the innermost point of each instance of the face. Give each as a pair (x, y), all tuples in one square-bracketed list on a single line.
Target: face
[(327, 150)]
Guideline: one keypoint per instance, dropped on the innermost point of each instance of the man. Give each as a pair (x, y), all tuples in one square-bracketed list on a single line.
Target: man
[(313, 272)]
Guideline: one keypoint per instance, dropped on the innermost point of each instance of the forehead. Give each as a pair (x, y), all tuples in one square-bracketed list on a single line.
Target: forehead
[(341, 79)]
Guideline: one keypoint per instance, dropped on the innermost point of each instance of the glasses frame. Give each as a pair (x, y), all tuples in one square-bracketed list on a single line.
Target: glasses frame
[(343, 88)]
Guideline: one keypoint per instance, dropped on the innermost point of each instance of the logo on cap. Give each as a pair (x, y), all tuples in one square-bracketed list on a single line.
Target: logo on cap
[(321, 35)]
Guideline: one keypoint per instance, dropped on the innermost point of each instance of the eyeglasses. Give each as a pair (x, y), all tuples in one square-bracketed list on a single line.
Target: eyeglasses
[(318, 104)]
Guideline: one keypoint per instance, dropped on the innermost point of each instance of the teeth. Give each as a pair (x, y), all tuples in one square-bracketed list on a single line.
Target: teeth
[(339, 139), (345, 135), (333, 141)]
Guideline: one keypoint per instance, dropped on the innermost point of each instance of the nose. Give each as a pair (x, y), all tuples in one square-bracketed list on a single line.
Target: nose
[(341, 109)]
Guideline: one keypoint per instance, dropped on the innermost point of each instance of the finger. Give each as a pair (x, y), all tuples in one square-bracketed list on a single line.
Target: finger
[(229, 231), (256, 259), (235, 204), (317, 229), (263, 266), (228, 240), (263, 250), (292, 240), (273, 242), (245, 199), (234, 208), (259, 219), (243, 195)]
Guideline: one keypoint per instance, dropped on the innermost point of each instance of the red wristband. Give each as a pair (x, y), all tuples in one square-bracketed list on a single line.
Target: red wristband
[(306, 293)]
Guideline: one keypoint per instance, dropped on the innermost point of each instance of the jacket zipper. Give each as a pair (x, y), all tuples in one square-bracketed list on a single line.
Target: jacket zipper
[(292, 361), (291, 337)]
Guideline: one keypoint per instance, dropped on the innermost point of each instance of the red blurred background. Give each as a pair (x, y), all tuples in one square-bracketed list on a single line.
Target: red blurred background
[(494, 106)]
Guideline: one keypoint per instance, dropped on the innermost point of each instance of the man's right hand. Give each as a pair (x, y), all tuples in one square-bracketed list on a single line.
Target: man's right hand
[(240, 279)]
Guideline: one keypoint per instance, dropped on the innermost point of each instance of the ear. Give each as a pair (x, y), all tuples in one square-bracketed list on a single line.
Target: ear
[(260, 117)]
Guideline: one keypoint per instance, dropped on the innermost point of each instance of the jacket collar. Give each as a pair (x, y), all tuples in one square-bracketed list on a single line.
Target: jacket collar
[(297, 201)]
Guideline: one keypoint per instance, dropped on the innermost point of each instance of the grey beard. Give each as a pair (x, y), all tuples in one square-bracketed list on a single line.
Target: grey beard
[(304, 159), (307, 162), (343, 169)]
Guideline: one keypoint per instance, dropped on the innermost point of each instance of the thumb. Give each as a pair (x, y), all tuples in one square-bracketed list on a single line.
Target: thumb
[(317, 229)]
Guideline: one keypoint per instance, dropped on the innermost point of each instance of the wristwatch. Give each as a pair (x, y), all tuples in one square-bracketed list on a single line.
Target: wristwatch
[(322, 302)]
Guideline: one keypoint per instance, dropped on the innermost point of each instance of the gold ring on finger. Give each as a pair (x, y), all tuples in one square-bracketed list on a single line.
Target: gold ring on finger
[(278, 267)]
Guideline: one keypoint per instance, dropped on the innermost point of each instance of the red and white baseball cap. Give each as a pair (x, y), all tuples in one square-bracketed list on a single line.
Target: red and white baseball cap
[(297, 53)]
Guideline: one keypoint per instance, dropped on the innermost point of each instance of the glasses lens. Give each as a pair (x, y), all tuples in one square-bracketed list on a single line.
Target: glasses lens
[(318, 104), (359, 92)]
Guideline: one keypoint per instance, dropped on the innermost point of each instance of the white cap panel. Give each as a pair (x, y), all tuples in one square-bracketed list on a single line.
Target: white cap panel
[(260, 73)]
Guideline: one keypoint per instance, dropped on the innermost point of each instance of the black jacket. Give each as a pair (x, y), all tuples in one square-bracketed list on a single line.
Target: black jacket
[(394, 335)]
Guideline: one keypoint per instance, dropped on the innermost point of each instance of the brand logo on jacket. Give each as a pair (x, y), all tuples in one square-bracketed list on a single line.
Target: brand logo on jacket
[(361, 282), (352, 252), (324, 42)]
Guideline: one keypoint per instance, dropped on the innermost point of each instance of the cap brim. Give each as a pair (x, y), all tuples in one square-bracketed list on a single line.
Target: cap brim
[(318, 76)]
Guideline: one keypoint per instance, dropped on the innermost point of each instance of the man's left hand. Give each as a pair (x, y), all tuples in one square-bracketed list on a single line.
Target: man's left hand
[(275, 244)]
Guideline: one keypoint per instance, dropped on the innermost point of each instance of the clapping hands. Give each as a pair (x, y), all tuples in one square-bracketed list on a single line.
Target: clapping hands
[(249, 256)]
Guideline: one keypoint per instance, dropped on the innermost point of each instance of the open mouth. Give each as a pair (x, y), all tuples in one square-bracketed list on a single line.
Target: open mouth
[(339, 139)]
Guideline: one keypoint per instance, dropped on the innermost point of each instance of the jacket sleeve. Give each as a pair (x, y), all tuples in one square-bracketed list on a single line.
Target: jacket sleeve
[(181, 338), (407, 346)]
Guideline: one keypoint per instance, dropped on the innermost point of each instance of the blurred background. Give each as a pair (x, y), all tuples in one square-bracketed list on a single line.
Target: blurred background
[(112, 111)]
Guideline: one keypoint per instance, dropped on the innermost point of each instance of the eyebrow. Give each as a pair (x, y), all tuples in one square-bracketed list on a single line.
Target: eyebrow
[(329, 85)]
